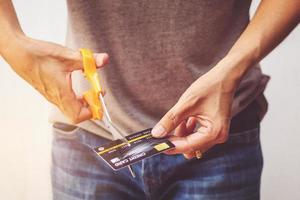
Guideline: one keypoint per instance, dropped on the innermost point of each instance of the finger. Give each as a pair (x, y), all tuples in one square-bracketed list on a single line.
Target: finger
[(189, 155), (200, 140), (101, 59), (169, 122), (186, 128), (181, 130), (74, 107), (75, 60), (191, 125), (76, 110)]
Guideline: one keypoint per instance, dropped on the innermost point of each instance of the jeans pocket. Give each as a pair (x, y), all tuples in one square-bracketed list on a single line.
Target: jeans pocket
[(67, 131)]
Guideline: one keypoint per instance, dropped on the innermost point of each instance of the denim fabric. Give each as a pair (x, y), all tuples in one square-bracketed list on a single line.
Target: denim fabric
[(227, 171)]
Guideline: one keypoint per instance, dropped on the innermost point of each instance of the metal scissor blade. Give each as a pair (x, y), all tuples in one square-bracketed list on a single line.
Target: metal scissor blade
[(108, 122), (131, 171), (113, 129)]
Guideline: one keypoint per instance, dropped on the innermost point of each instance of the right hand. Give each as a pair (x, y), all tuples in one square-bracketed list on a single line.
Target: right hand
[(48, 67)]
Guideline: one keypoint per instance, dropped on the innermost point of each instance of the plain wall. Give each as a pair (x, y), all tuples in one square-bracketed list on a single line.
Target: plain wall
[(26, 138)]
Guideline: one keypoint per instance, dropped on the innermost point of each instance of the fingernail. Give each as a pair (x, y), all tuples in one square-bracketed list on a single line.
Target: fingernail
[(158, 131)]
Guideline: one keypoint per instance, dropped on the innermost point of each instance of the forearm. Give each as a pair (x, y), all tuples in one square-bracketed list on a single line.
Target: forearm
[(10, 27), (15, 47), (272, 22)]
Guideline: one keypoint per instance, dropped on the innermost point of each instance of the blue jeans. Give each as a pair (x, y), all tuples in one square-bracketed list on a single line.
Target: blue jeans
[(227, 171)]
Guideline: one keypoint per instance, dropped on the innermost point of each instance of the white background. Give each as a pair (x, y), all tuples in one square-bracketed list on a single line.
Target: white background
[(25, 138)]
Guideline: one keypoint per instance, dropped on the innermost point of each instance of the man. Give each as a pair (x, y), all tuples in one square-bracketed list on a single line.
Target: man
[(196, 61)]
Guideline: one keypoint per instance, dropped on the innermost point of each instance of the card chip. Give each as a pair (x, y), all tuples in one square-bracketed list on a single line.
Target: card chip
[(161, 146)]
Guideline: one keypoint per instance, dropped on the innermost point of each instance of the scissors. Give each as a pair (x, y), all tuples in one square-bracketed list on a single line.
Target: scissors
[(95, 100)]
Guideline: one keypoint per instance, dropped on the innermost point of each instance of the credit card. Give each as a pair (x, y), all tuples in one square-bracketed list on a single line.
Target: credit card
[(118, 154)]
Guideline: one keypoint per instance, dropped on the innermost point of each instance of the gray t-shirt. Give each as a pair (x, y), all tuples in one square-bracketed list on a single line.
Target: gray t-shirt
[(157, 49)]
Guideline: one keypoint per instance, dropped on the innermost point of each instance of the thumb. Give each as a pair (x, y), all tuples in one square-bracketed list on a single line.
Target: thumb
[(101, 59), (169, 122), (77, 64)]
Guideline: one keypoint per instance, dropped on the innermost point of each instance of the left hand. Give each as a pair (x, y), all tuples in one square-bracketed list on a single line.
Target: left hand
[(207, 101)]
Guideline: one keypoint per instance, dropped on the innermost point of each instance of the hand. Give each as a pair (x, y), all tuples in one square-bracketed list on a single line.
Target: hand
[(208, 102), (48, 67)]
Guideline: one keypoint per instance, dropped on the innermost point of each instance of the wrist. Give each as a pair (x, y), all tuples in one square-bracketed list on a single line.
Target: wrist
[(231, 69), (16, 51), (10, 40), (240, 59), (236, 65)]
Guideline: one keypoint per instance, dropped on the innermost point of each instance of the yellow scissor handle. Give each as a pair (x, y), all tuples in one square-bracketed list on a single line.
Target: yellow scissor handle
[(92, 95)]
